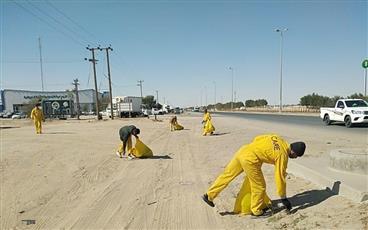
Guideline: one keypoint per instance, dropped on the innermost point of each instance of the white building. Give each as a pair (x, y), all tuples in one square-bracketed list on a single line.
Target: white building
[(12, 100)]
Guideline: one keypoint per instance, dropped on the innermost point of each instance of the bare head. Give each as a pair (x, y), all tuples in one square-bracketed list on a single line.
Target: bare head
[(205, 110)]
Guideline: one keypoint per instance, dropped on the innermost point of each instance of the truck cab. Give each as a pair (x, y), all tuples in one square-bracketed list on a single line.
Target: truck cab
[(349, 111)]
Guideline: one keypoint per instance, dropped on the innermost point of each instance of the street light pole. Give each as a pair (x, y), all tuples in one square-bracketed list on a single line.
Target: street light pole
[(214, 105), (281, 31), (232, 86)]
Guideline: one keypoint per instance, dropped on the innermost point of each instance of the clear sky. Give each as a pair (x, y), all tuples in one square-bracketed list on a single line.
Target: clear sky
[(184, 48)]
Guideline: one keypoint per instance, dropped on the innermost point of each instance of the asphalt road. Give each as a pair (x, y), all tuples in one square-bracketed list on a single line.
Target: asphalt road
[(311, 121)]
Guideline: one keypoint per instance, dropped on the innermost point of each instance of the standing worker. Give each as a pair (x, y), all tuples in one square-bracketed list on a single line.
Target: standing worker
[(270, 149), (37, 117), (125, 134), (208, 127)]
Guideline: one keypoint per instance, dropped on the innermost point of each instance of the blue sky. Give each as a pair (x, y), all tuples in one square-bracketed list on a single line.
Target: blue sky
[(180, 48)]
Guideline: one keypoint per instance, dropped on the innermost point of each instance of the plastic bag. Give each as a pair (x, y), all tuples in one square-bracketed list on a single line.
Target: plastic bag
[(141, 150), (178, 127), (243, 200), (208, 127)]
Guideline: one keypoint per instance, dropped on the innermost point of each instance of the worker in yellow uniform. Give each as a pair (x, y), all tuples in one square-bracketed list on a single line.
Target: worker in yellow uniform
[(270, 149), (37, 117), (208, 127), (174, 125)]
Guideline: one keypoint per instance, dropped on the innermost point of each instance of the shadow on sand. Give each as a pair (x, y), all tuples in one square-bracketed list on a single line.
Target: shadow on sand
[(59, 133), (164, 157), (310, 198), (219, 134), (303, 200)]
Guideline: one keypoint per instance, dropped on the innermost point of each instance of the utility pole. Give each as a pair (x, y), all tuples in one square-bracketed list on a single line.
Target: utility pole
[(156, 96), (39, 46), (281, 31), (140, 85), (76, 83), (214, 105), (109, 75), (94, 61), (232, 86)]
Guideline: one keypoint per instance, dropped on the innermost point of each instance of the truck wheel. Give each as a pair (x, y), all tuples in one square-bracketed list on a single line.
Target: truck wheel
[(326, 119), (348, 122)]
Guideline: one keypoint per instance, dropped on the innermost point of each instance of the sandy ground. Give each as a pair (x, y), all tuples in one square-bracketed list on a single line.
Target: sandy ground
[(70, 177)]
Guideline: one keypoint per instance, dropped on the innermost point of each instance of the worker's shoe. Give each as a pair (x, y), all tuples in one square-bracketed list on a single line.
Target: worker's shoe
[(205, 199), (130, 156), (119, 154), (264, 214)]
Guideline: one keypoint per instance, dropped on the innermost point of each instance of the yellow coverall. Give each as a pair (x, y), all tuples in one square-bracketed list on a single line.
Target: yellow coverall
[(174, 125), (37, 117), (271, 149), (208, 127)]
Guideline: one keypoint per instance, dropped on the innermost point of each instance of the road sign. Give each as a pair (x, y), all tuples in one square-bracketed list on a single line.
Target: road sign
[(365, 64)]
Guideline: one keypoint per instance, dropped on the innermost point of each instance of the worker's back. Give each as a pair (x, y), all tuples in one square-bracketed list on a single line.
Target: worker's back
[(265, 149)]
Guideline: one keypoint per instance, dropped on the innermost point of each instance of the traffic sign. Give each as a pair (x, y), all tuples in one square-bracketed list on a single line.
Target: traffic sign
[(365, 64)]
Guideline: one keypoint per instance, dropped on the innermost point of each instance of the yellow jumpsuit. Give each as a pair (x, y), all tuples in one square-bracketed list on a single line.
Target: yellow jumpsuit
[(174, 125), (37, 117), (208, 127), (271, 149)]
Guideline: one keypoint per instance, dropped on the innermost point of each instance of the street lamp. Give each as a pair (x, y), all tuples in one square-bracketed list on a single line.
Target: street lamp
[(232, 86), (214, 105), (281, 31)]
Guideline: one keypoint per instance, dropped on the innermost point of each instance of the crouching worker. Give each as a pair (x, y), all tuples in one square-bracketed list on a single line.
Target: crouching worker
[(125, 134), (174, 125), (208, 127), (270, 149)]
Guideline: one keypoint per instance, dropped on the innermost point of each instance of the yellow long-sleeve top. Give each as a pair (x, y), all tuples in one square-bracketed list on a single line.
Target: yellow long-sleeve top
[(36, 114), (271, 149), (206, 117)]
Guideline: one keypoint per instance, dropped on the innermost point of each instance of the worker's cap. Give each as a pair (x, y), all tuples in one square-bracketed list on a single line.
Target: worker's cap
[(298, 148)]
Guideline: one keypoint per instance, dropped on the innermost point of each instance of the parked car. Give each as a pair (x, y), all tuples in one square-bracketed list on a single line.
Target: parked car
[(1, 114), (349, 111), (177, 110), (8, 115), (19, 115)]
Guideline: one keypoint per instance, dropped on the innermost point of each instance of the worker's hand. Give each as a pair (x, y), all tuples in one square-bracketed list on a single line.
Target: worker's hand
[(287, 203)]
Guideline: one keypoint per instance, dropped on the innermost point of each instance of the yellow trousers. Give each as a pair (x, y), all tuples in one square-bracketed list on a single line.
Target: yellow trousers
[(129, 146), (38, 126), (241, 162)]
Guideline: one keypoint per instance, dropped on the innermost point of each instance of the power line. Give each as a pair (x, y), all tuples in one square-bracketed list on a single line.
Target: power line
[(49, 24), (57, 21), (70, 19)]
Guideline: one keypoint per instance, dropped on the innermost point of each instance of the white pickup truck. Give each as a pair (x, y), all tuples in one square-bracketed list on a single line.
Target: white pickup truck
[(349, 111)]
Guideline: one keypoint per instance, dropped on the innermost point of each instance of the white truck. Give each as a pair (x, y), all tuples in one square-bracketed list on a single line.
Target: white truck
[(125, 106), (349, 111)]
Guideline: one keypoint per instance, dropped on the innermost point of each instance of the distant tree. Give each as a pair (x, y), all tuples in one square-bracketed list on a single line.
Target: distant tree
[(358, 96), (315, 100), (149, 101)]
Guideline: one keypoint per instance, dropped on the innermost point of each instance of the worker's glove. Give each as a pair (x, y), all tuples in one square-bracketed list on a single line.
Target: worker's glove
[(286, 203)]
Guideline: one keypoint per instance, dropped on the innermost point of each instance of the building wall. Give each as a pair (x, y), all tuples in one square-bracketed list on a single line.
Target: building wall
[(20, 97)]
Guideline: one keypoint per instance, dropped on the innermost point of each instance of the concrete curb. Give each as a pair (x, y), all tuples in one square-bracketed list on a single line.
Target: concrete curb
[(325, 181)]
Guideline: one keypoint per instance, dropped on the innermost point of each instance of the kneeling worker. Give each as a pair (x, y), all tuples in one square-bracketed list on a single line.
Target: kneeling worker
[(125, 134), (270, 149), (174, 125)]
